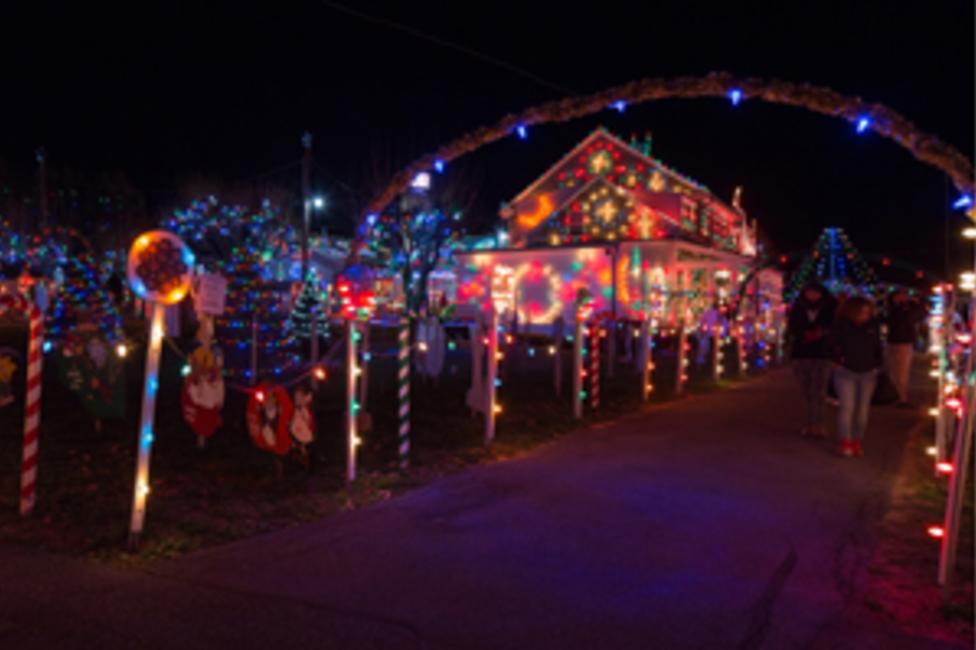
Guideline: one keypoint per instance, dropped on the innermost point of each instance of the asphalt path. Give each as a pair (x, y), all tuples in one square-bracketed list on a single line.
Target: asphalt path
[(702, 523)]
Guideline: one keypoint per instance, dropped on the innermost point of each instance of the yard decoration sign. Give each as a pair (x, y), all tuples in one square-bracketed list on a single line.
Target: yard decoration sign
[(202, 397), (159, 271), (88, 367)]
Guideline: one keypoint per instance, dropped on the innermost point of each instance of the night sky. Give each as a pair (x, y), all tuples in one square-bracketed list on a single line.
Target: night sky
[(167, 91)]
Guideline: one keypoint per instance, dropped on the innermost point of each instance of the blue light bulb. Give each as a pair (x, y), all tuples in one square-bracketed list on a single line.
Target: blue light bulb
[(735, 96), (963, 201), (863, 123), (522, 131)]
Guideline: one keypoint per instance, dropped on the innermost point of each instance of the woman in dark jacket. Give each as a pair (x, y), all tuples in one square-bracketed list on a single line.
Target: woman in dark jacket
[(810, 319), (854, 345)]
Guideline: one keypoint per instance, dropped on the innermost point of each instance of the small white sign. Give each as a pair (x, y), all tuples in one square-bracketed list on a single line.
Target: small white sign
[(211, 293)]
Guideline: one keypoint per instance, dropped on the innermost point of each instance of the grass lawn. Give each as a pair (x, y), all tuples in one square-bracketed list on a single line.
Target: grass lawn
[(230, 489)]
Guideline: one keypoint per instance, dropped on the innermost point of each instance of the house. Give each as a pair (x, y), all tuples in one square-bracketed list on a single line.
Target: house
[(640, 236)]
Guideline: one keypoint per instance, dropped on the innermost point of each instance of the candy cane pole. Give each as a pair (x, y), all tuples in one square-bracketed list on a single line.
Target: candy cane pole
[(32, 410), (492, 375), (595, 365), (352, 406), (403, 390), (150, 388), (578, 372)]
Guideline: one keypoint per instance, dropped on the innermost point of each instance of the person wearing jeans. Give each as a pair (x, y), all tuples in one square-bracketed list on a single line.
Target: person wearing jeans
[(854, 391), (855, 346), (904, 317), (810, 318)]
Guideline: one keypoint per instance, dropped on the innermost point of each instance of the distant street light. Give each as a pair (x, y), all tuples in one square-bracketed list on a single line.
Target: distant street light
[(318, 202)]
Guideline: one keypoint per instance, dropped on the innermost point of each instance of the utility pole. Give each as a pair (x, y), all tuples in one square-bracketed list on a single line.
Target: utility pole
[(306, 199), (41, 156)]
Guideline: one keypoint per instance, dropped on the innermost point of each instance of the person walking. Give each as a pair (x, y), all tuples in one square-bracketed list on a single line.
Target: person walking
[(904, 317), (854, 344), (809, 322)]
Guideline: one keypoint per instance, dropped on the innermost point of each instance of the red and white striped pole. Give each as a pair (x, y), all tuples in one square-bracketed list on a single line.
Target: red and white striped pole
[(32, 398), (32, 410)]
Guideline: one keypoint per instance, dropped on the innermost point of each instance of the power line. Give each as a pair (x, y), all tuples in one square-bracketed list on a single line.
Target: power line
[(385, 22)]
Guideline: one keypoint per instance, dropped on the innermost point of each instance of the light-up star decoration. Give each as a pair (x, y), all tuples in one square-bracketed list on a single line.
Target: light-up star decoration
[(600, 163), (606, 210)]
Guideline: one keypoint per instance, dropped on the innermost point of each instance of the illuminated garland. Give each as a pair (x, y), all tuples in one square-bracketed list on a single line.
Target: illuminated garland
[(876, 117)]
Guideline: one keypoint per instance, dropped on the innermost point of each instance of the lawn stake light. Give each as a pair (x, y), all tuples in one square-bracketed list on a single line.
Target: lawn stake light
[(357, 302), (646, 362), (717, 356), (963, 444), (681, 360), (502, 298), (584, 309), (159, 271), (32, 395)]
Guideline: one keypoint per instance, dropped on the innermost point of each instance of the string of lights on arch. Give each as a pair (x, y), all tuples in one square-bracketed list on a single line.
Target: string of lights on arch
[(864, 116)]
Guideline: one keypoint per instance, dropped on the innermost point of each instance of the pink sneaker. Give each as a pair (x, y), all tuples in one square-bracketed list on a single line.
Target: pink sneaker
[(856, 448), (846, 448)]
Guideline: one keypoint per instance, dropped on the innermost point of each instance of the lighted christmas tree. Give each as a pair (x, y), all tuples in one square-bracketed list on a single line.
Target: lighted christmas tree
[(308, 308), (82, 302), (239, 243), (835, 263)]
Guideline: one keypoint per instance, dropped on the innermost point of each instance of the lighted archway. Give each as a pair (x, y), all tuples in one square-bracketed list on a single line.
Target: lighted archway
[(878, 118)]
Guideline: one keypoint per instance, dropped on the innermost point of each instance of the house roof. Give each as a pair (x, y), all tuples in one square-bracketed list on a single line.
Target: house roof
[(651, 162)]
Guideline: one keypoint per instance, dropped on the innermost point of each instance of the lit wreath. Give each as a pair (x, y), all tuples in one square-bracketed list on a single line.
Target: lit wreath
[(555, 288)]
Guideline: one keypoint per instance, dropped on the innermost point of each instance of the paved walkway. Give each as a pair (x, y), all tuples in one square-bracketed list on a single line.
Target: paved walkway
[(706, 523)]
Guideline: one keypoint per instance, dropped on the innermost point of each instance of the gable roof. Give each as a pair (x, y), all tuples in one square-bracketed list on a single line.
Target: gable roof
[(603, 133)]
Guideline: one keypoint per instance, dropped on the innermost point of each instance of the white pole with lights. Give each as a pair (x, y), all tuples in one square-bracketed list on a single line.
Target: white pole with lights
[(959, 467), (352, 373), (357, 302), (584, 309), (502, 298), (159, 272)]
